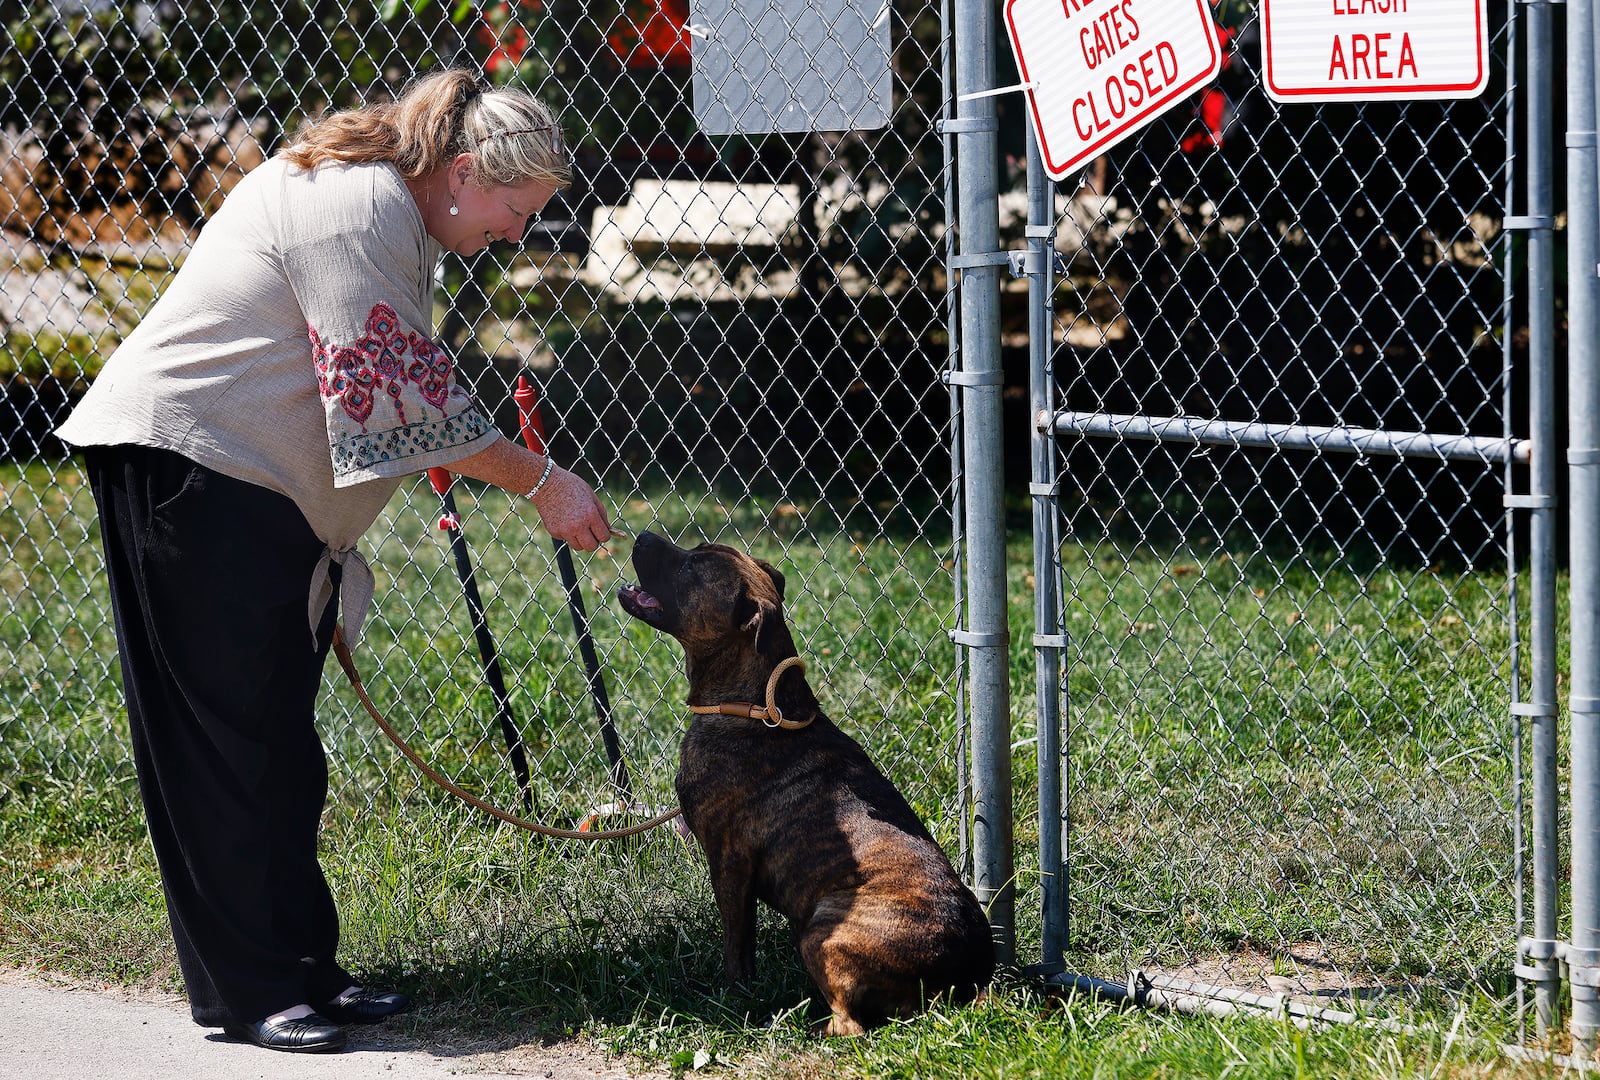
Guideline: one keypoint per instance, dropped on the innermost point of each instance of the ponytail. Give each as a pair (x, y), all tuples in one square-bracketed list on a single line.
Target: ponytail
[(512, 136)]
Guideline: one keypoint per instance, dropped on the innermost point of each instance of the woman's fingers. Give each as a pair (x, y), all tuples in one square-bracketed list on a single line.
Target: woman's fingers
[(572, 512)]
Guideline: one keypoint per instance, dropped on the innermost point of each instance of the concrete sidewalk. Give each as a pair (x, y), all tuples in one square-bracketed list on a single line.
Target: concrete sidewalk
[(57, 1030)]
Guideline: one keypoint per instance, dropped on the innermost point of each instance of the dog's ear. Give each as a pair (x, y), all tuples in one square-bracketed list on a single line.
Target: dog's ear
[(747, 612), (773, 573), (759, 617)]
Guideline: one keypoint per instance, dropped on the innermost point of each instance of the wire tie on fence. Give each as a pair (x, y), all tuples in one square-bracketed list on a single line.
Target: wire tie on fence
[(1583, 976), (1530, 502), (1583, 965), (1542, 221), (1567, 951), (1044, 491), (1049, 641), (967, 124), (1532, 948), (999, 90), (1527, 973), (974, 378), (700, 30), (980, 260), (979, 640), (1535, 709), (1040, 232)]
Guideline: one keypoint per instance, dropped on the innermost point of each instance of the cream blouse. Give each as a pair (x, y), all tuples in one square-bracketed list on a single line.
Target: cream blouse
[(294, 350)]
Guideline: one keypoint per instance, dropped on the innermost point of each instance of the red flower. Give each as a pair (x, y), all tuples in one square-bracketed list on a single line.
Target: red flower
[(650, 33)]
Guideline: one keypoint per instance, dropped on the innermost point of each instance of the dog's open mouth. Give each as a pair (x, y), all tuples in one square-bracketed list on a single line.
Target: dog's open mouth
[(635, 601)]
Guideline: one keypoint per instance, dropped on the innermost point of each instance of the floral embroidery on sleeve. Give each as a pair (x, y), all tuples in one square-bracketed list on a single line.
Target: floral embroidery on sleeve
[(411, 374)]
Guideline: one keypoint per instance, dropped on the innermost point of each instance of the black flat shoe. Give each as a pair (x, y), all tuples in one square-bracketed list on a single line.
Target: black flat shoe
[(364, 1005), (312, 1034)]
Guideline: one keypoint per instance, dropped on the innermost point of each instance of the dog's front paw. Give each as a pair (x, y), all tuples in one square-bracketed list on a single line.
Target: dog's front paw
[(836, 1025), (741, 970)]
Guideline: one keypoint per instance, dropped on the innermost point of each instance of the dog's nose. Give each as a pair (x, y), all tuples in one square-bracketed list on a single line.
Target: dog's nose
[(646, 539)]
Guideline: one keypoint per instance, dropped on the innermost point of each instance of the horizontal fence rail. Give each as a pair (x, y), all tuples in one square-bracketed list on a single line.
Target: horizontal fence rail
[(1190, 429)]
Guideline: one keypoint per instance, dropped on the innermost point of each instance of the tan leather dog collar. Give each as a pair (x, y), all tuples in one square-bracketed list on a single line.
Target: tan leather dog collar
[(769, 714)]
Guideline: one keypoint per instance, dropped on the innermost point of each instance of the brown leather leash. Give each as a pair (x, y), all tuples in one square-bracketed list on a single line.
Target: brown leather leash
[(342, 651), (769, 714)]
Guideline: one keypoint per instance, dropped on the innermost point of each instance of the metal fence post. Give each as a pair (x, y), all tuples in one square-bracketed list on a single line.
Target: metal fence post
[(1049, 638), (957, 477), (1538, 705), (986, 636), (1540, 708), (1583, 461)]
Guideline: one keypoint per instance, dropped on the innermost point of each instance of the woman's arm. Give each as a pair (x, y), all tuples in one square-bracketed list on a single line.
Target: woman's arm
[(567, 506)]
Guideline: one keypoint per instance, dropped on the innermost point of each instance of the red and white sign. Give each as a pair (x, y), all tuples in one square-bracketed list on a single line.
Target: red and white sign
[(1103, 69), (1340, 50)]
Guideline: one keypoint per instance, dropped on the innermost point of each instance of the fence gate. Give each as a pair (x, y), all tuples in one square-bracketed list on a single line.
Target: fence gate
[(1279, 394)]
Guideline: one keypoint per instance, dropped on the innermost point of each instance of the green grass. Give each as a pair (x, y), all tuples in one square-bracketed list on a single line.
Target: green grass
[(1277, 766)]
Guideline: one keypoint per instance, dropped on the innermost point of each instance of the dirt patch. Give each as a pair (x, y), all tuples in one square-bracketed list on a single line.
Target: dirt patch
[(1306, 971)]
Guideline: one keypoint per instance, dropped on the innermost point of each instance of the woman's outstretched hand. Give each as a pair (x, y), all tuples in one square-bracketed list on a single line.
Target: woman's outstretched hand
[(567, 505), (571, 511)]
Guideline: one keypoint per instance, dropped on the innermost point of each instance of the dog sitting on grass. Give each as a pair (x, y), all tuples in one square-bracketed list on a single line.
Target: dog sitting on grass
[(790, 810)]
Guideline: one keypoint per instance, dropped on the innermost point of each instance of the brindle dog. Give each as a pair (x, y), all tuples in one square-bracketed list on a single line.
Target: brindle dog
[(799, 816)]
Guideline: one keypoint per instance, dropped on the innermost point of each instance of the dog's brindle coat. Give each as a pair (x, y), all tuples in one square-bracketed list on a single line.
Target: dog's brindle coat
[(802, 819)]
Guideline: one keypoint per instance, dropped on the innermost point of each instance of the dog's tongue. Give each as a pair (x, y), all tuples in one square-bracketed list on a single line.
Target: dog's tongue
[(640, 598)]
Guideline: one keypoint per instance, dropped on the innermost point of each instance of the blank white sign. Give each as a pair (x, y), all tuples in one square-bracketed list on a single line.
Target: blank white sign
[(764, 66)]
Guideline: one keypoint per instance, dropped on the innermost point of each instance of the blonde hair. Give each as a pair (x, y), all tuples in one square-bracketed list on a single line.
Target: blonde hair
[(512, 137)]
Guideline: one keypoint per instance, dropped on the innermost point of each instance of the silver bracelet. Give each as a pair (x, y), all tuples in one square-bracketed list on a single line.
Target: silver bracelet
[(549, 467)]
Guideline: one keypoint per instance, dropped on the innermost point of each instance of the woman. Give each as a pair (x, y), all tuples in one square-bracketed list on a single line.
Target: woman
[(238, 444)]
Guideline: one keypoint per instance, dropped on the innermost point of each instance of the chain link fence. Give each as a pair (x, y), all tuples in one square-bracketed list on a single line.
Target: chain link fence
[(738, 338), (1288, 755)]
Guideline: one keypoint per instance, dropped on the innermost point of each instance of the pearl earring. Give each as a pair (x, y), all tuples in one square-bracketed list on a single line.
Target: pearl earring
[(454, 210)]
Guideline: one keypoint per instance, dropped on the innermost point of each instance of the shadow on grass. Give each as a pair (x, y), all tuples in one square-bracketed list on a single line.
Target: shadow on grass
[(492, 931)]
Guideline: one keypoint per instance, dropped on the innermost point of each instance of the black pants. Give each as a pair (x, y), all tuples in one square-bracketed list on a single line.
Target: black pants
[(209, 581)]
